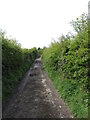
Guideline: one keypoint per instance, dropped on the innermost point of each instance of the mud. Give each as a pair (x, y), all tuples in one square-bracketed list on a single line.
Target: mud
[(35, 97)]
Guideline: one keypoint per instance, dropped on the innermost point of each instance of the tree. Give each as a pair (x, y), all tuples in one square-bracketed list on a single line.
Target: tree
[(80, 23)]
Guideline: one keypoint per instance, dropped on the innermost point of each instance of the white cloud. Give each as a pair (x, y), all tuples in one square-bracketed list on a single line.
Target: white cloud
[(35, 22)]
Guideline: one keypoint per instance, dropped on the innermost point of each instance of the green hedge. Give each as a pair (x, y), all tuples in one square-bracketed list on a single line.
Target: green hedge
[(66, 63), (15, 62)]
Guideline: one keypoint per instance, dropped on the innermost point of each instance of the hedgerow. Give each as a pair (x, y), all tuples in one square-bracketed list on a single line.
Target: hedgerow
[(15, 62), (66, 63)]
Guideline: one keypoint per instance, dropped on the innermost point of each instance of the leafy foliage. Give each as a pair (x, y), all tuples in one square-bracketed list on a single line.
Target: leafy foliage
[(66, 62), (15, 62)]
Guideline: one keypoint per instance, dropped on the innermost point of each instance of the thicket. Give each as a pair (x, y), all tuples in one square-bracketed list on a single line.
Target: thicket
[(66, 63), (15, 62)]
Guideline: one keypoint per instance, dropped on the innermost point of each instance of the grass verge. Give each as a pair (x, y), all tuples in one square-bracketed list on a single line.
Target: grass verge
[(72, 93)]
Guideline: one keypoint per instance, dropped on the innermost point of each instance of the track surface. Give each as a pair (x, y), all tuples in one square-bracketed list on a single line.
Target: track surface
[(35, 97)]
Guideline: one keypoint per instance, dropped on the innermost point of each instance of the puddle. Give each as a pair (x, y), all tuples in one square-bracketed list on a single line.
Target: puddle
[(36, 66), (43, 80), (33, 74)]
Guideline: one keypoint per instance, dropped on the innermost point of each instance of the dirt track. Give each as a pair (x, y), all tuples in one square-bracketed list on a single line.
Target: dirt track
[(35, 97)]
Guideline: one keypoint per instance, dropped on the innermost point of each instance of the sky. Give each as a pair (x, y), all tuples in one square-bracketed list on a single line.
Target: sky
[(35, 23)]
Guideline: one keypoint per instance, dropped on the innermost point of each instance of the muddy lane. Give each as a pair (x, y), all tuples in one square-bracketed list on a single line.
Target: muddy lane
[(35, 97)]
